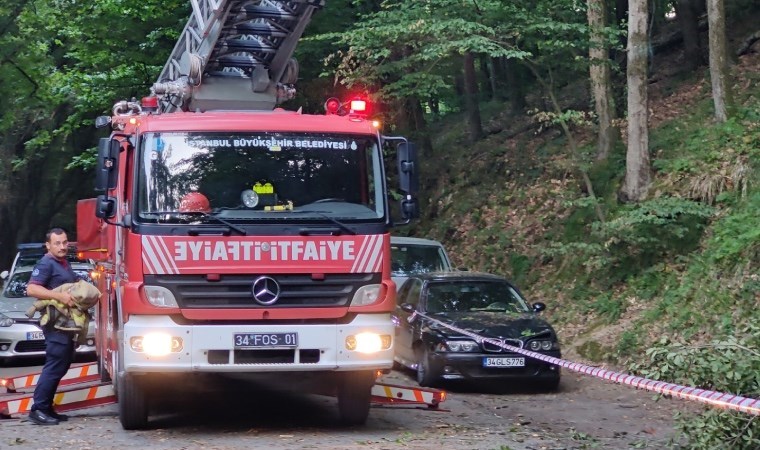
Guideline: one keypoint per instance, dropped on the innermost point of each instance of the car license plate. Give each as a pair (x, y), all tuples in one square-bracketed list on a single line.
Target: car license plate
[(266, 340), (35, 335), (503, 362)]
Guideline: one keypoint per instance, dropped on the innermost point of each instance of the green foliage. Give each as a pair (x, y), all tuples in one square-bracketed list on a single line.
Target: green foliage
[(520, 266), (609, 306), (643, 233), (410, 48), (730, 365), (738, 235), (629, 343), (638, 237)]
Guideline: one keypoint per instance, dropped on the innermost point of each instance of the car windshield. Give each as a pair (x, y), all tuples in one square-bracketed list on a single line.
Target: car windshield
[(16, 285), (30, 254), (414, 258), (187, 177), (474, 295)]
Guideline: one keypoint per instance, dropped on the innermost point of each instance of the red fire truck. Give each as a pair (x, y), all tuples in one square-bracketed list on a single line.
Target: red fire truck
[(234, 237)]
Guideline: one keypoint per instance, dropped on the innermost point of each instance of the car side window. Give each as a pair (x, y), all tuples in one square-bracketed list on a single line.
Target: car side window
[(403, 292), (410, 259), (413, 297)]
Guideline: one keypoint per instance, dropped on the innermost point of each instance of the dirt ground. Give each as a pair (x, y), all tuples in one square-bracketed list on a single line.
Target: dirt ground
[(585, 413)]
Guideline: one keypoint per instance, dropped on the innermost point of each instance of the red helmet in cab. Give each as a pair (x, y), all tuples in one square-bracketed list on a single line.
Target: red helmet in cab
[(194, 202)]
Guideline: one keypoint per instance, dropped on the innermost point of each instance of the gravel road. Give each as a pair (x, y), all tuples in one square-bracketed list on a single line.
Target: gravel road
[(585, 413)]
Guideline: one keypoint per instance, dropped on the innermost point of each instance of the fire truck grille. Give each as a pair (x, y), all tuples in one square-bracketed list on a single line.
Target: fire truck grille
[(236, 291), (302, 356)]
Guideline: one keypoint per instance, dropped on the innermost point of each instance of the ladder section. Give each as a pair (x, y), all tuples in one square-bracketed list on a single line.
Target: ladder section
[(235, 54)]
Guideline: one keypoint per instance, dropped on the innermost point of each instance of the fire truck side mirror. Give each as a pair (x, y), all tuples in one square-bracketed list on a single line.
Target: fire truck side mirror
[(408, 176), (107, 165), (105, 207), (102, 121), (410, 209)]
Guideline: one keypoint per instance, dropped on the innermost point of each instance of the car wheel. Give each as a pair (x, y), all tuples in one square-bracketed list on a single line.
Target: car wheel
[(549, 384), (427, 375)]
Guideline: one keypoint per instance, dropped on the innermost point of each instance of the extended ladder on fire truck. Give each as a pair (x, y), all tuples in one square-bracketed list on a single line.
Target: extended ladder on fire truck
[(235, 54), (81, 388)]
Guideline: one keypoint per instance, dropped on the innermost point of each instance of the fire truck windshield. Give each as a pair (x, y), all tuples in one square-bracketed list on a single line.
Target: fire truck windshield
[(184, 177)]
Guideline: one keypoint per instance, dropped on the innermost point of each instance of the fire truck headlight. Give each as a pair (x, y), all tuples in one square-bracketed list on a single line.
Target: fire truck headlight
[(366, 295), (160, 297), (156, 344), (368, 342)]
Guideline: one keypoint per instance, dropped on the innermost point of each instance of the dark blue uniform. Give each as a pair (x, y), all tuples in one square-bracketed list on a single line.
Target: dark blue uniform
[(59, 345)]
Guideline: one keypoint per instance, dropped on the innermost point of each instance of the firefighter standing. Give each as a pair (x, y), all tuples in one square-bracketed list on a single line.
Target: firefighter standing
[(50, 272)]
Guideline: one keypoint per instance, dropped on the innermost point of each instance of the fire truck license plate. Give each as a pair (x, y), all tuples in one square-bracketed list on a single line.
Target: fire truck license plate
[(266, 340), (503, 362)]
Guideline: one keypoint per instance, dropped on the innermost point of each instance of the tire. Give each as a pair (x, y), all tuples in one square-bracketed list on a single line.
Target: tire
[(427, 375), (133, 403), (550, 384), (354, 397)]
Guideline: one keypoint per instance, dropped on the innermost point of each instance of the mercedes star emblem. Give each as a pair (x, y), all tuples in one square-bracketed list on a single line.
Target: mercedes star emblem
[(266, 290)]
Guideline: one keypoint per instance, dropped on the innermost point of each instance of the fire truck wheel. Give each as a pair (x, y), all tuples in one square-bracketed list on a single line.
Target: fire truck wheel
[(354, 396), (133, 403)]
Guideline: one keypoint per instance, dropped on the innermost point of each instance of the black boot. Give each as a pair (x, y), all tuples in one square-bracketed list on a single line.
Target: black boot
[(41, 418)]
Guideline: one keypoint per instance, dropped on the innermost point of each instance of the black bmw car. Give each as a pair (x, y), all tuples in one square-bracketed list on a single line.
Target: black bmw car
[(484, 304)]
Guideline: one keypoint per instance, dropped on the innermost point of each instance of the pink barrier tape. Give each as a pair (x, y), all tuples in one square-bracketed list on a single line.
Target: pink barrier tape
[(713, 398)]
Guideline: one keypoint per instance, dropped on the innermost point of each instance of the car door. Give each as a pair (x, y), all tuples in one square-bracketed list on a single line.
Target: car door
[(409, 293)]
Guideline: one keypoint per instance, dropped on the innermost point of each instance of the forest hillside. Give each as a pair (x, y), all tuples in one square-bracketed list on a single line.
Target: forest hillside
[(510, 204), (669, 287)]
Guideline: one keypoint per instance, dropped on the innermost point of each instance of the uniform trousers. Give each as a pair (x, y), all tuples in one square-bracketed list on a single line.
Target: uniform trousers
[(59, 353)]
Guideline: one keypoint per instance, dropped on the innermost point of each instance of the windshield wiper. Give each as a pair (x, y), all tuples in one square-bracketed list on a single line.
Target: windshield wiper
[(229, 224), (232, 226), (337, 222)]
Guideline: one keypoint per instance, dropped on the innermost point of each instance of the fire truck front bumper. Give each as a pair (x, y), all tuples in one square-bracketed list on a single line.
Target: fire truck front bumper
[(158, 344)]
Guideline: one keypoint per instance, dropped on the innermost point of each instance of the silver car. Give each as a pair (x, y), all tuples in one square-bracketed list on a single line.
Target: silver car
[(21, 336), (411, 256)]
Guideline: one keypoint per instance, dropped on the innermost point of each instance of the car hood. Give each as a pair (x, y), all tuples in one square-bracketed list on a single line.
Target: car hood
[(16, 307), (495, 324)]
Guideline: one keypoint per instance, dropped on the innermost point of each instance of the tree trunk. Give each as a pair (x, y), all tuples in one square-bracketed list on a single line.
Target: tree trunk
[(719, 76), (474, 126), (601, 81), (686, 14), (492, 77), (516, 86), (637, 168), (417, 118)]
